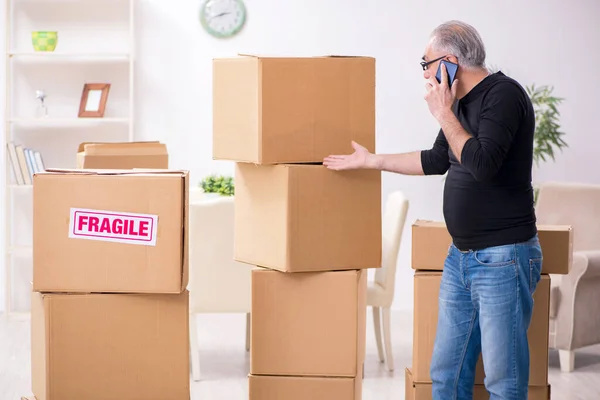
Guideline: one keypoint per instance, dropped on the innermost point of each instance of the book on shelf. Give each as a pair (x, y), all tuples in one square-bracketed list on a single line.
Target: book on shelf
[(24, 163)]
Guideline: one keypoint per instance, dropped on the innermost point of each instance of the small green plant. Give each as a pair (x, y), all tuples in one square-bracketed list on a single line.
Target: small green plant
[(220, 184), (548, 137)]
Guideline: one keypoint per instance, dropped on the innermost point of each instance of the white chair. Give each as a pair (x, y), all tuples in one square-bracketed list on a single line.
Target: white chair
[(217, 283), (380, 292)]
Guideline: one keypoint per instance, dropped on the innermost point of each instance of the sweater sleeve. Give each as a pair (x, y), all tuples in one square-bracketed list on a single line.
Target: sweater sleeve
[(436, 160), (501, 114)]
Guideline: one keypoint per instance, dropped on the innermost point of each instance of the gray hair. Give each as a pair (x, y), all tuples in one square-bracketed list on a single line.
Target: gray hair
[(461, 40)]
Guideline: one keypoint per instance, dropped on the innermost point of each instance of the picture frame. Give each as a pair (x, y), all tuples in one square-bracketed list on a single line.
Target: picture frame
[(93, 100)]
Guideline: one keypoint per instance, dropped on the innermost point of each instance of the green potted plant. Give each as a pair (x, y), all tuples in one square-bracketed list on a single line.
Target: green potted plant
[(548, 137), (218, 184)]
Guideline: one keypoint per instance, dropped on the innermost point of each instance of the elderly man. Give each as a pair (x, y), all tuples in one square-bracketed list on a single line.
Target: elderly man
[(493, 266)]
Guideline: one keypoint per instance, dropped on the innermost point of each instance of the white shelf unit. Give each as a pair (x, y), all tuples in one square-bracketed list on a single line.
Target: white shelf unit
[(96, 44), (70, 57)]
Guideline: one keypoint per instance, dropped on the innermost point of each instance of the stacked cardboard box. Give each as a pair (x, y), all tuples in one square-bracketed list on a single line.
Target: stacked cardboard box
[(430, 242), (122, 155), (313, 231), (109, 302)]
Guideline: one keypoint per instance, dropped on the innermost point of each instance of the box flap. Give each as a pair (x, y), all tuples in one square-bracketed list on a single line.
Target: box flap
[(342, 56), (123, 148), (427, 222), (557, 228), (135, 171), (82, 146), (256, 55), (299, 56)]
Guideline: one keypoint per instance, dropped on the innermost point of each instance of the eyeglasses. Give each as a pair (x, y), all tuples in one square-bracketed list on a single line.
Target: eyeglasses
[(425, 64)]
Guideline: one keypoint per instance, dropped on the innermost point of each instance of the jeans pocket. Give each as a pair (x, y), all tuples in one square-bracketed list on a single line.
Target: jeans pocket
[(497, 256), (535, 271)]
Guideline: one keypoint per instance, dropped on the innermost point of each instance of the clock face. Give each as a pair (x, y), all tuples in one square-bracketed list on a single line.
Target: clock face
[(223, 18)]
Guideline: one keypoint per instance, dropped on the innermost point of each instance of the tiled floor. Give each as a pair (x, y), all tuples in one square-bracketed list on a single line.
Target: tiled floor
[(225, 363)]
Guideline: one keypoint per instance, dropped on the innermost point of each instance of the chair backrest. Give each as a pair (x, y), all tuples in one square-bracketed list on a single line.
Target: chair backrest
[(393, 220), (575, 204), (217, 283)]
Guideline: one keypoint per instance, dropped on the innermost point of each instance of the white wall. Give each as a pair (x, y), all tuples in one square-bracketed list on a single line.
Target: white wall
[(537, 41)]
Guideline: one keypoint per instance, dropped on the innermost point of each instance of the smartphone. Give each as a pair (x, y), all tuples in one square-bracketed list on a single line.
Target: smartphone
[(451, 68)]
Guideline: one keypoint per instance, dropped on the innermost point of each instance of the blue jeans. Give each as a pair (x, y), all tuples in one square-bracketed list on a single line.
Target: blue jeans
[(485, 306)]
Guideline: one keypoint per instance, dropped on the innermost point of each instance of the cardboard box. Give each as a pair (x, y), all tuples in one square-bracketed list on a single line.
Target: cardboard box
[(110, 346), (415, 390), (126, 155), (304, 388), (431, 240), (269, 110), (426, 294), (110, 231), (298, 218), (309, 324)]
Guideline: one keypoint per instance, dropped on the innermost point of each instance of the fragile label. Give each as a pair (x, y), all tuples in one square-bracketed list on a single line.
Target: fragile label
[(113, 226)]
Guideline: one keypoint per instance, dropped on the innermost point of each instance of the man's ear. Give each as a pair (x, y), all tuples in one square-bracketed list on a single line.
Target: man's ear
[(453, 59)]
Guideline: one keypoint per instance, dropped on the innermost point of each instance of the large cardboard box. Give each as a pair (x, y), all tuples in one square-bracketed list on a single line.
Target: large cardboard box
[(110, 231), (415, 390), (308, 324), (110, 346), (298, 218), (292, 110), (431, 240), (426, 293), (123, 155), (304, 388)]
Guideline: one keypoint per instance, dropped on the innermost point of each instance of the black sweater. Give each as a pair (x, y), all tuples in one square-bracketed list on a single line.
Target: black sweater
[(488, 196)]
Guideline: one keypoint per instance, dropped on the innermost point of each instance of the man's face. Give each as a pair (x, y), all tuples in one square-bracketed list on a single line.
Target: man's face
[(431, 61)]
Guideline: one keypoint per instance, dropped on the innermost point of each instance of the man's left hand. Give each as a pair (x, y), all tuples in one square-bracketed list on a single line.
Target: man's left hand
[(440, 97)]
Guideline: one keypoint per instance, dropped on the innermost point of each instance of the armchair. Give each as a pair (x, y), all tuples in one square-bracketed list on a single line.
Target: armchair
[(574, 298)]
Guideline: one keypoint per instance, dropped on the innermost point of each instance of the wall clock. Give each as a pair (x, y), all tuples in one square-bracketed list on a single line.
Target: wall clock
[(223, 18)]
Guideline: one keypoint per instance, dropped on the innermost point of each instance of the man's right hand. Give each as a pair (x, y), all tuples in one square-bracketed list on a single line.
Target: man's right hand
[(361, 158)]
